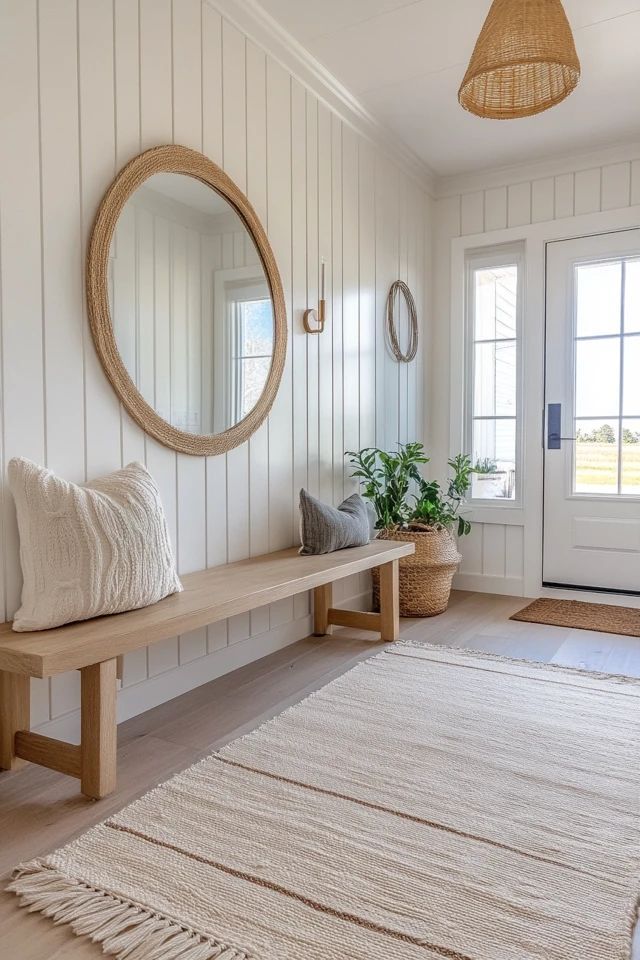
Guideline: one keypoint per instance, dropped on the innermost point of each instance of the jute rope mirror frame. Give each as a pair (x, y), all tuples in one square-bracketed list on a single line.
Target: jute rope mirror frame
[(400, 288), (177, 159)]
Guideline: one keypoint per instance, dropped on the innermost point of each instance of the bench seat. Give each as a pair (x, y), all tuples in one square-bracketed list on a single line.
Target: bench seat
[(95, 646)]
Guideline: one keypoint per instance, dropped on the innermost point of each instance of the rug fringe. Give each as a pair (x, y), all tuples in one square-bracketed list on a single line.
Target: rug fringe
[(125, 930)]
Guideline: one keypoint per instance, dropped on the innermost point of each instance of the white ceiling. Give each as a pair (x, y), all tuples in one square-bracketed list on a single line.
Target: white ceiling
[(404, 60)]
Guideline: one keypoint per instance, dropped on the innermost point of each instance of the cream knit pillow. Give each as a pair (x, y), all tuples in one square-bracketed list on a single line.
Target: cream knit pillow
[(86, 551)]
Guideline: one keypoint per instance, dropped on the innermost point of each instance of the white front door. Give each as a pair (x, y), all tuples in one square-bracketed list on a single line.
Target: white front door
[(592, 424)]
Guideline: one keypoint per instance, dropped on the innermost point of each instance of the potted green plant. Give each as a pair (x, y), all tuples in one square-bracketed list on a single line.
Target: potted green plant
[(408, 507)]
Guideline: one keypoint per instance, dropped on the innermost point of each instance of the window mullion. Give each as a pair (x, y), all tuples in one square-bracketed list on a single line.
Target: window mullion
[(623, 277)]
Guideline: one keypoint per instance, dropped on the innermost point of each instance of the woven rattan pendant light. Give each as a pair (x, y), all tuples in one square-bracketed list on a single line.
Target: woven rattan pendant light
[(524, 61)]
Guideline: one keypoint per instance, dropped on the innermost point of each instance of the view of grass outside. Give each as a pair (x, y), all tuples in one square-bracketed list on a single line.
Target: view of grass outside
[(597, 459)]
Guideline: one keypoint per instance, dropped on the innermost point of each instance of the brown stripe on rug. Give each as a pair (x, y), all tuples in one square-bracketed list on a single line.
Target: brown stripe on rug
[(428, 804), (601, 617)]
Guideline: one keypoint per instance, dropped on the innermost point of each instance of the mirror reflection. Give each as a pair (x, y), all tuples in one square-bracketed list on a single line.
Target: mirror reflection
[(190, 304)]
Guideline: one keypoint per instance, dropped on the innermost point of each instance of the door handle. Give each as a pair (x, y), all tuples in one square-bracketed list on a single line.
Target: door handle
[(554, 427)]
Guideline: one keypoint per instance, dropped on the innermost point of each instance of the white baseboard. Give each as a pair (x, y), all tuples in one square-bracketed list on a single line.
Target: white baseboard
[(149, 693), (482, 583)]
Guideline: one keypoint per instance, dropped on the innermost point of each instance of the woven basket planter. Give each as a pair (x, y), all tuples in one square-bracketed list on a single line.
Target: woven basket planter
[(426, 576)]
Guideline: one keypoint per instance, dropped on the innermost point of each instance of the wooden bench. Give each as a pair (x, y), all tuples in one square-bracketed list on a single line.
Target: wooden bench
[(95, 646)]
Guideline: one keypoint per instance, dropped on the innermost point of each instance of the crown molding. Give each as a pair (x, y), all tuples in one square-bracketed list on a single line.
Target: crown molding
[(254, 21), (538, 170)]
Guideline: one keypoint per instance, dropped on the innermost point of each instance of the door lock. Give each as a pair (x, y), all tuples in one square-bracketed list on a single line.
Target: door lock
[(554, 427)]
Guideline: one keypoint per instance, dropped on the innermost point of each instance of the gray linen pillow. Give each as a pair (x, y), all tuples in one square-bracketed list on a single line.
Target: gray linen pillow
[(324, 529)]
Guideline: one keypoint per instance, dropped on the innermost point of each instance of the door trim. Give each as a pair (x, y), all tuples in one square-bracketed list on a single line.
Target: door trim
[(613, 591), (536, 237)]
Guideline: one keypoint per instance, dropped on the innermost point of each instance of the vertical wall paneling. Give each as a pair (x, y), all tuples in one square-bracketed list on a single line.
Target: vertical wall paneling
[(62, 320), (493, 550), (127, 145), (587, 191), (280, 149), (564, 196), (188, 130), (542, 200), (97, 168), (85, 87), (216, 526), (350, 300), (514, 552), (447, 226), (299, 338), (234, 140), (391, 197), (157, 126), (256, 83), (212, 145), (495, 209), (23, 415), (471, 549), (313, 289), (635, 182), (616, 186), (211, 83), (519, 204), (416, 277), (472, 212), (402, 316), (337, 307), (325, 373), (62, 292), (367, 295)]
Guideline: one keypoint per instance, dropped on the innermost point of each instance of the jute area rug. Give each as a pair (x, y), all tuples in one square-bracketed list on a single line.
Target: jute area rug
[(430, 803), (603, 617)]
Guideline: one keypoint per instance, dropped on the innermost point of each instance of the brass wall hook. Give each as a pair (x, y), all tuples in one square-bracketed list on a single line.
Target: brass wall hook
[(315, 317)]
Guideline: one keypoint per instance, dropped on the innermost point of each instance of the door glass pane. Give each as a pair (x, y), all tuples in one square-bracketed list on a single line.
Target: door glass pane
[(599, 291), (632, 297), (494, 459), (631, 457), (596, 460), (495, 379), (631, 392), (598, 378), (495, 303)]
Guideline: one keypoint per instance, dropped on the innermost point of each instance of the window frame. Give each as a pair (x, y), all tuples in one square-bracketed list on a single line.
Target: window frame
[(499, 255)]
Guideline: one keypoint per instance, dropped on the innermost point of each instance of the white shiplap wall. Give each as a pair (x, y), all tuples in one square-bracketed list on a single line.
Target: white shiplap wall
[(496, 555), (83, 88)]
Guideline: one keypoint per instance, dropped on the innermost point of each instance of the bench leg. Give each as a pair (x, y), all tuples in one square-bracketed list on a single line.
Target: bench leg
[(322, 600), (15, 698), (98, 737), (389, 601)]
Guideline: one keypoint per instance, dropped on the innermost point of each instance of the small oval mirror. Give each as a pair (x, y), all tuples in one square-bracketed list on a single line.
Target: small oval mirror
[(187, 308)]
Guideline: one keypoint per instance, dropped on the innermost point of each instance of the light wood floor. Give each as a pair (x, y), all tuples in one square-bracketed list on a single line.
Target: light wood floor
[(41, 810)]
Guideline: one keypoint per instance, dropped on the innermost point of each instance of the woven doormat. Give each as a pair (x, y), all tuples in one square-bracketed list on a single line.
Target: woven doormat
[(585, 616)]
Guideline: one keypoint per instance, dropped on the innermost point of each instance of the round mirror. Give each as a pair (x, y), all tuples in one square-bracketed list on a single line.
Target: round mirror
[(185, 302)]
